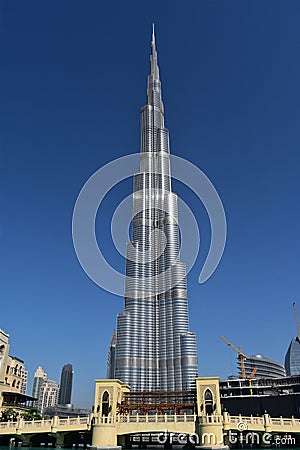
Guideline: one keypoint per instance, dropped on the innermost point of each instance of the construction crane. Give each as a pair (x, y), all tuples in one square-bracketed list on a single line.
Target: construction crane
[(297, 321), (250, 379), (241, 356), (252, 374)]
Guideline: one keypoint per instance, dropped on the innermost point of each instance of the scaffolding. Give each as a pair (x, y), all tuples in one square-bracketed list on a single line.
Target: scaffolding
[(158, 402)]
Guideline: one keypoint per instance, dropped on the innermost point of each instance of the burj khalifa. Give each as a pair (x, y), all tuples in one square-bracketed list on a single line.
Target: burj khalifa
[(155, 350)]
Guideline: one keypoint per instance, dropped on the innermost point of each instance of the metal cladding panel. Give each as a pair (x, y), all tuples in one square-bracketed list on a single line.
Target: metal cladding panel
[(154, 348), (163, 144)]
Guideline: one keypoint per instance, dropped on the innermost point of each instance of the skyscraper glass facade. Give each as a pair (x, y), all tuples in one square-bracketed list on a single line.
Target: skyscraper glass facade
[(66, 383), (155, 349), (292, 358)]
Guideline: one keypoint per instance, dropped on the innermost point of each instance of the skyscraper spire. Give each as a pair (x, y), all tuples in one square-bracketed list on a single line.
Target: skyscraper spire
[(153, 36), (154, 348)]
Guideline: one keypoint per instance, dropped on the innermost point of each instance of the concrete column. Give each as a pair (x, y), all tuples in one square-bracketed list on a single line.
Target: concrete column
[(60, 439), (267, 423), (210, 426), (26, 439), (211, 435), (105, 437)]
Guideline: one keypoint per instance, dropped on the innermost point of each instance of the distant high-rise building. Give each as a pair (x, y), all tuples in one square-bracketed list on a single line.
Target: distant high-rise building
[(66, 382), (111, 359), (48, 394), (266, 368), (155, 349), (39, 378), (292, 358)]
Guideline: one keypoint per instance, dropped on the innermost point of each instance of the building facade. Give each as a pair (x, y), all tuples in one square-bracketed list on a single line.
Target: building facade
[(4, 348), (14, 373), (12, 370), (292, 358), (24, 382), (155, 349), (111, 359), (277, 396), (13, 378), (40, 377), (266, 368), (65, 411), (48, 395), (66, 383)]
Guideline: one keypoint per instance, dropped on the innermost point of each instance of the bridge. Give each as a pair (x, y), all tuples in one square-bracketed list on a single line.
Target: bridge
[(130, 424), (201, 428)]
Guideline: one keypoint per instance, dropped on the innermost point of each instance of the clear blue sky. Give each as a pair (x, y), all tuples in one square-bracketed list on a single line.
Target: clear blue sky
[(73, 80)]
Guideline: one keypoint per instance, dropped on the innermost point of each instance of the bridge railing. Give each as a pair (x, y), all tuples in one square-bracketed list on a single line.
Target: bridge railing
[(55, 422), (264, 421), (147, 418), (74, 421), (249, 420), (35, 423), (284, 422), (211, 419), (7, 425), (226, 420)]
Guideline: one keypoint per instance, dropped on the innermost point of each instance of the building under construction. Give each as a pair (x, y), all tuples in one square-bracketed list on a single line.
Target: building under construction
[(277, 396), (178, 402)]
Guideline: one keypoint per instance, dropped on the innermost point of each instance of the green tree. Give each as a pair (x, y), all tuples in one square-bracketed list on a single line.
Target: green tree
[(9, 414), (32, 414)]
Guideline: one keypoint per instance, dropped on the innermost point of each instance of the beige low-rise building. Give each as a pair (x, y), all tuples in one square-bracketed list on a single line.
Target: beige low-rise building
[(12, 378), (14, 374), (4, 349)]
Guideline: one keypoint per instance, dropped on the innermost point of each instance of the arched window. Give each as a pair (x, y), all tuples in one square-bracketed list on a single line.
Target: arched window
[(208, 402), (105, 403)]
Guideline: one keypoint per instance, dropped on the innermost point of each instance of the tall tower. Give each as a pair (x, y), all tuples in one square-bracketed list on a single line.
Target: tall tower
[(154, 348), (111, 359), (39, 378), (66, 382)]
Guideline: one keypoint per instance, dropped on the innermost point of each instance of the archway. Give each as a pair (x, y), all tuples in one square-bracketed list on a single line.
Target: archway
[(43, 438), (105, 404), (77, 439), (208, 402)]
